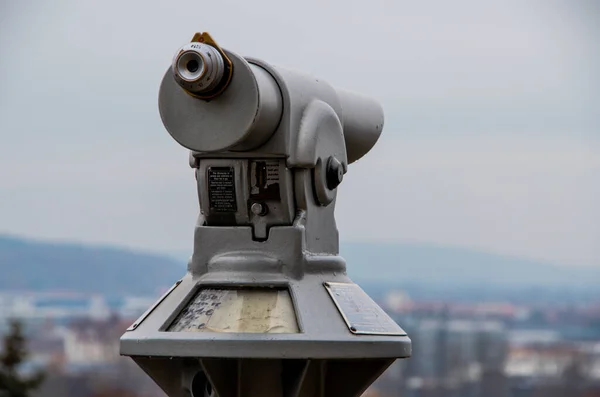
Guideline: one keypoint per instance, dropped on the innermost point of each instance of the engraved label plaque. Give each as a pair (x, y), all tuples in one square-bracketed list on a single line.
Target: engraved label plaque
[(361, 314)]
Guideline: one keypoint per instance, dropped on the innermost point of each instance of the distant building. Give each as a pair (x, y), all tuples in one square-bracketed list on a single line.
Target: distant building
[(457, 357), (34, 308), (397, 301), (93, 342)]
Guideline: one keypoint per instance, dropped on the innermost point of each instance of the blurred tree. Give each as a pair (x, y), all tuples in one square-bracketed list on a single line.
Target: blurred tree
[(571, 383), (14, 354), (574, 377)]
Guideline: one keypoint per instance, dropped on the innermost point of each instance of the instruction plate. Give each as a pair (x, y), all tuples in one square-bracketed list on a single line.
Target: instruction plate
[(362, 315), (221, 189)]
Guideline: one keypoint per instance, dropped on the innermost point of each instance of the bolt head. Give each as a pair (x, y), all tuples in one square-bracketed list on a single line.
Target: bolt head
[(334, 173), (259, 209)]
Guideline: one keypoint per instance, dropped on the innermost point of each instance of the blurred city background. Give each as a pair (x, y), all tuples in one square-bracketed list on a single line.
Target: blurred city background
[(474, 222)]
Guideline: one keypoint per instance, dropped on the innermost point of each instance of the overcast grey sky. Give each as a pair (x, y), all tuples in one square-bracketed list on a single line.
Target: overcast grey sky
[(492, 135)]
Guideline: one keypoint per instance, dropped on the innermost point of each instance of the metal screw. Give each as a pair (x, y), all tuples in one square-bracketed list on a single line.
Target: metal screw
[(259, 209), (334, 174)]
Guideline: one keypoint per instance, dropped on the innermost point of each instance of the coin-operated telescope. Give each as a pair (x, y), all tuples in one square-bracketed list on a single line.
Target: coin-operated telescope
[(266, 308)]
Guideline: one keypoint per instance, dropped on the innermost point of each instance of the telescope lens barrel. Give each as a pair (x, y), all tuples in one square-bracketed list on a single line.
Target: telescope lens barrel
[(190, 66), (198, 68), (363, 123), (242, 118)]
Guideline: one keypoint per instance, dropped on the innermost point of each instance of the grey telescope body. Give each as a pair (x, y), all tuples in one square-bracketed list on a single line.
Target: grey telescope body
[(249, 112), (266, 307)]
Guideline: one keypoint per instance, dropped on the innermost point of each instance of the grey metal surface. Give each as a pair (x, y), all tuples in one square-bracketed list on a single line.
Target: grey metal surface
[(269, 154), (362, 315), (263, 378), (275, 193), (324, 333), (151, 308), (247, 112), (298, 245), (198, 67), (362, 119)]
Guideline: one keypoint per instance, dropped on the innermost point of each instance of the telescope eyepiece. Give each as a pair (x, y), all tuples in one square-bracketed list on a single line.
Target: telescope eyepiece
[(190, 66), (198, 68)]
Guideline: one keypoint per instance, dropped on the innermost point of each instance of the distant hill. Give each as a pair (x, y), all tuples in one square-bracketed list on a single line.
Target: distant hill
[(439, 266), (432, 272), (42, 266), (435, 265)]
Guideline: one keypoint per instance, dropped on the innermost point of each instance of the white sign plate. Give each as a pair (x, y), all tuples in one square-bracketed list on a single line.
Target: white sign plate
[(362, 315)]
